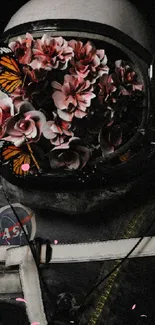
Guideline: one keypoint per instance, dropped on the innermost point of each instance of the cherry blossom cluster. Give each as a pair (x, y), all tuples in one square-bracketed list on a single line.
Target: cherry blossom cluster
[(67, 84)]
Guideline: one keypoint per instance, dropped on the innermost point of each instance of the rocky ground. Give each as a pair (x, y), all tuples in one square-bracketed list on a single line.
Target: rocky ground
[(133, 285)]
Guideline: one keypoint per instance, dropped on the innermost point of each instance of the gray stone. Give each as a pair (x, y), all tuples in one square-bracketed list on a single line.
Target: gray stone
[(68, 202)]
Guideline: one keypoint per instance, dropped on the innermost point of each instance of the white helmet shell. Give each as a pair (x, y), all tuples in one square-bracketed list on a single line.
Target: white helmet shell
[(119, 14)]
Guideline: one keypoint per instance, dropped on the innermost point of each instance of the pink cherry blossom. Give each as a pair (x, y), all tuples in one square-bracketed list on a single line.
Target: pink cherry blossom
[(57, 131), (107, 87), (23, 48), (51, 53), (18, 96), (19, 126), (6, 111), (88, 61), (127, 76), (73, 97), (71, 155)]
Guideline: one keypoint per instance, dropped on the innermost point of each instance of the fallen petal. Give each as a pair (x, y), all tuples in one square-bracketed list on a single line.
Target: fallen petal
[(21, 299), (25, 167)]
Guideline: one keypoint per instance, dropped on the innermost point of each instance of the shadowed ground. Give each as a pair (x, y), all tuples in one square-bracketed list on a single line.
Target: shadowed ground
[(133, 284)]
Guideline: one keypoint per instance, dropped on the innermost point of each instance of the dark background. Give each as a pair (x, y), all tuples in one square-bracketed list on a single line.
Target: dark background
[(9, 7)]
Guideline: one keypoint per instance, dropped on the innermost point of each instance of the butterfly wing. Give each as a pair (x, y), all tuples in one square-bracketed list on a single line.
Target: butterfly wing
[(11, 75), (9, 63), (19, 162), (9, 81), (9, 152), (16, 158)]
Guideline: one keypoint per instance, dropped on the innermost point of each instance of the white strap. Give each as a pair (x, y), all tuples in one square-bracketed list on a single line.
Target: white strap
[(10, 283), (32, 292), (85, 252), (14, 255), (100, 251)]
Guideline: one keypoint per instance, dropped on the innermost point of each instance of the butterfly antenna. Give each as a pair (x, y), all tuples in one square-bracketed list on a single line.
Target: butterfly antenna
[(32, 155), (24, 80)]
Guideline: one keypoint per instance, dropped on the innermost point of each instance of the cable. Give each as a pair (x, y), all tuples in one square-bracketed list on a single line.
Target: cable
[(82, 306), (42, 283)]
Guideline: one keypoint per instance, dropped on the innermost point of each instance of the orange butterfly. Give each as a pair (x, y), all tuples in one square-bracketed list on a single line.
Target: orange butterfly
[(11, 74), (20, 162)]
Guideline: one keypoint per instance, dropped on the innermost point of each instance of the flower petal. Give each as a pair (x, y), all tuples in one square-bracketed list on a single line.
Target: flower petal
[(65, 116), (75, 164), (80, 114), (59, 99), (17, 141)]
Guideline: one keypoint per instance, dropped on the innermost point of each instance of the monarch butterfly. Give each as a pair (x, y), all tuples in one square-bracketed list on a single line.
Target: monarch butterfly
[(11, 74), (19, 161)]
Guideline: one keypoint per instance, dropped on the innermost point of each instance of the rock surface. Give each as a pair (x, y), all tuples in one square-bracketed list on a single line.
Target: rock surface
[(135, 282)]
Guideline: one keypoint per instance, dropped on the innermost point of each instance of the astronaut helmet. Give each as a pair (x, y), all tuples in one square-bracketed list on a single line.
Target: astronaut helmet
[(82, 104)]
